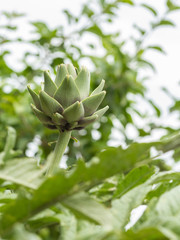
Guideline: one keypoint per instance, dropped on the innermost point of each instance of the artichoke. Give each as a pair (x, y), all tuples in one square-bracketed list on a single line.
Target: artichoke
[(65, 103)]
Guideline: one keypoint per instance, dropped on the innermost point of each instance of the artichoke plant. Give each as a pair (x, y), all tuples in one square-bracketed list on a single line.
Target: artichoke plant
[(65, 104)]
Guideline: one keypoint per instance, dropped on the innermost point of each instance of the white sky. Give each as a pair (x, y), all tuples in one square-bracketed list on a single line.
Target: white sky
[(168, 67)]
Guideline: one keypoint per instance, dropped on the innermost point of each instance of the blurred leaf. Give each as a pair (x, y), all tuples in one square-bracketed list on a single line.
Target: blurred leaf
[(171, 6), (96, 30), (130, 2), (161, 189), (132, 179), (176, 106), (87, 11), (56, 61), (176, 155), (12, 14), (121, 208), (42, 220), (163, 22), (158, 111), (148, 233), (151, 9), (142, 31), (147, 63), (165, 213), (69, 16), (158, 48), (69, 225), (23, 171), (19, 232), (84, 206), (60, 186), (8, 152)]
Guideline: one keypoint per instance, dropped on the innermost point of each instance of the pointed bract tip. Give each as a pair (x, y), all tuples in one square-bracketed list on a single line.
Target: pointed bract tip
[(46, 72), (62, 64), (84, 67), (71, 70), (29, 88), (33, 106)]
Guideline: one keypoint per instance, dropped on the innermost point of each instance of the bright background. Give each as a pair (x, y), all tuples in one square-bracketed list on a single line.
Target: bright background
[(168, 69)]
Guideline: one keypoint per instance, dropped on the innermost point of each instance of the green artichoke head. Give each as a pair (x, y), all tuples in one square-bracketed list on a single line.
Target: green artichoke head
[(65, 103)]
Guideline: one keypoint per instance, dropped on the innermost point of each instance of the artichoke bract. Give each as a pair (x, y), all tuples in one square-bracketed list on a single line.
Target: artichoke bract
[(65, 103)]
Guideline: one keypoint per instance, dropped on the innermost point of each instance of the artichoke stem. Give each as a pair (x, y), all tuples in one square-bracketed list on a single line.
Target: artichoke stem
[(59, 150)]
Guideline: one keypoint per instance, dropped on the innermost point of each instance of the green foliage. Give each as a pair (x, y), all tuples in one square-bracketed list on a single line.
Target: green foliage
[(97, 196), (150, 9), (115, 65), (42, 203), (8, 152)]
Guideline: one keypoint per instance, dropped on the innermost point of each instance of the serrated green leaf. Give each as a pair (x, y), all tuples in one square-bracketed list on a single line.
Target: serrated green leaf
[(107, 163), (91, 103), (161, 188), (132, 179), (83, 82), (83, 206), (67, 93), (166, 177), (49, 105), (23, 172), (147, 233), (74, 112), (43, 219), (19, 232), (165, 213), (69, 225), (121, 208)]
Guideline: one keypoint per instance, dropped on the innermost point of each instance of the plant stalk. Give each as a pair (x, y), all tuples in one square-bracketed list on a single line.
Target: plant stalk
[(59, 150)]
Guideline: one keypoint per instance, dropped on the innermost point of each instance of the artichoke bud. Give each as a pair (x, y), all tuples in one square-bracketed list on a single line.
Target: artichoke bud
[(66, 103)]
